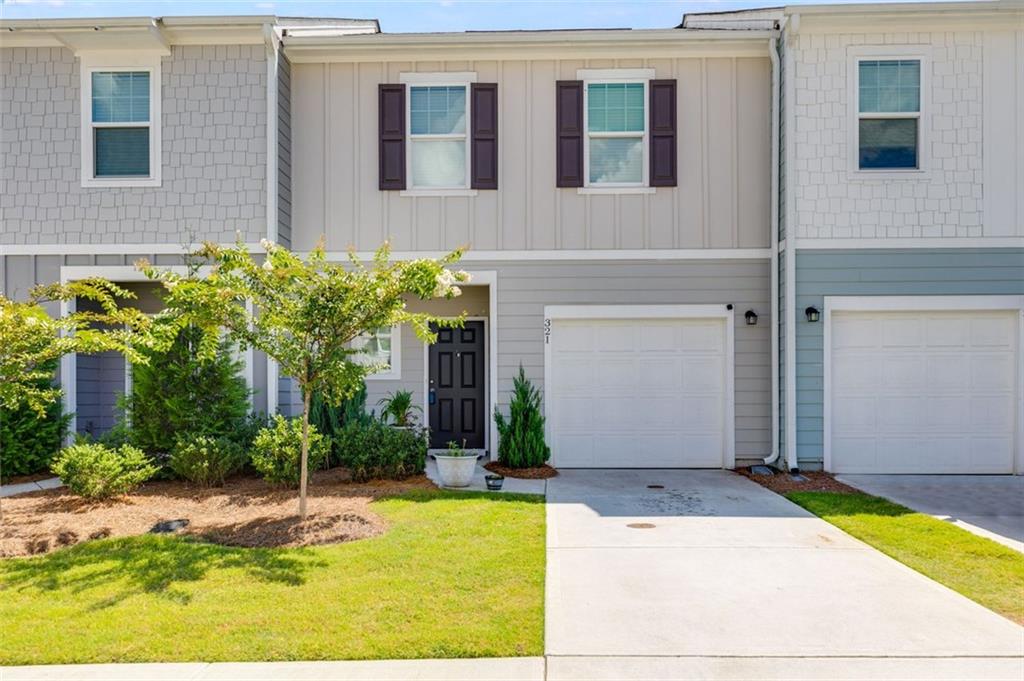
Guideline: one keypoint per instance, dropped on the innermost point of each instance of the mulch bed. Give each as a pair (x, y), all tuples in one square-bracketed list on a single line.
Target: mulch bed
[(782, 483), (538, 473), (245, 512)]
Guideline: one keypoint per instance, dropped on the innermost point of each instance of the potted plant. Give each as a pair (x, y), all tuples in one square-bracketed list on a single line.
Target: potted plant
[(398, 407), (494, 481), (456, 467)]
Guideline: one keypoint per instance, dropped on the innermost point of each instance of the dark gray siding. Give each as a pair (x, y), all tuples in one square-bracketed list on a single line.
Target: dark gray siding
[(880, 273)]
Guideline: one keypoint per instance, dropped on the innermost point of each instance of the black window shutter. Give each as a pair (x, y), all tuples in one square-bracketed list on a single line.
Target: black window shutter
[(391, 129), (569, 133), (663, 133), (484, 136)]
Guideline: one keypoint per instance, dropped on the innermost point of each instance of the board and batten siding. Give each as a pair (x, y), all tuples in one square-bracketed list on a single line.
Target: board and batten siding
[(721, 201), (886, 272), (284, 151), (1004, 133)]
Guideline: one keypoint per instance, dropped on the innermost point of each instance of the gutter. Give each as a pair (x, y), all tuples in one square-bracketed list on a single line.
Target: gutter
[(272, 51), (773, 54)]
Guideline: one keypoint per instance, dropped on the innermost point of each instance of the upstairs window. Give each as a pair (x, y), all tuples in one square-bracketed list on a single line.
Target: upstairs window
[(616, 139), (120, 125), (889, 114), (439, 152)]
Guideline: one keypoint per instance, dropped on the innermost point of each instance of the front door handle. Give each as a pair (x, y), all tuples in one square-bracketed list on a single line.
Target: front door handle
[(432, 396)]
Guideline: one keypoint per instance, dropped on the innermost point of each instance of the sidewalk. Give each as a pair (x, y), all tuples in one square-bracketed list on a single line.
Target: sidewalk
[(23, 487), (483, 669)]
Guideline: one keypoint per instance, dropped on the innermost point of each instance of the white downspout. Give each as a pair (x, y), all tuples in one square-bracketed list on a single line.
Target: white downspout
[(791, 235), (271, 40), (774, 55)]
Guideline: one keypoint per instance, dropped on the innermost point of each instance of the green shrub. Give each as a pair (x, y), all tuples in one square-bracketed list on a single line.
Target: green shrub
[(277, 450), (374, 450), (29, 442), (398, 407), (97, 472), (177, 393), (206, 460), (521, 444), (330, 419)]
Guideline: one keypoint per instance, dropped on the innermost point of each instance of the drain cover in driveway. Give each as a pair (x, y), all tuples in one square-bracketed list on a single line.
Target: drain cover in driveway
[(655, 486), (641, 526)]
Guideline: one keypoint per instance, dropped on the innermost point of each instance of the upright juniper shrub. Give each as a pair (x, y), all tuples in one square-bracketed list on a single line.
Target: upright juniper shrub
[(522, 442), (178, 393)]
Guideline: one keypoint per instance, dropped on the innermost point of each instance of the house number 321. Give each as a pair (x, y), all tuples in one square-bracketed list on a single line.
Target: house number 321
[(547, 331)]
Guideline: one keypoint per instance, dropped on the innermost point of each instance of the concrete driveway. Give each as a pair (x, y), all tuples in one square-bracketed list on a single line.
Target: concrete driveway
[(713, 575), (988, 505)]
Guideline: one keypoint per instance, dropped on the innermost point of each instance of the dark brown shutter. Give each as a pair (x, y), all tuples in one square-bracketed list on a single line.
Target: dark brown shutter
[(569, 133), (391, 129), (663, 133), (484, 136)]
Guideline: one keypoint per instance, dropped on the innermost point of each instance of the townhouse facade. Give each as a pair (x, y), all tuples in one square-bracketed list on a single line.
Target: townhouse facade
[(784, 236)]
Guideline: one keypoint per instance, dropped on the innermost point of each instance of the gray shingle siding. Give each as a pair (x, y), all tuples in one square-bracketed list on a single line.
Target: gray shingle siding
[(881, 273), (213, 152)]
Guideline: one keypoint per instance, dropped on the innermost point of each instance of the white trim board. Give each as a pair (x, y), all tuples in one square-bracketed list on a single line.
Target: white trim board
[(724, 312), (808, 244), (471, 255), (917, 304)]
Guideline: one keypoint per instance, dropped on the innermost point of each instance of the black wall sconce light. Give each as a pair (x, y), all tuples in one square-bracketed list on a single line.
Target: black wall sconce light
[(812, 314), (751, 317)]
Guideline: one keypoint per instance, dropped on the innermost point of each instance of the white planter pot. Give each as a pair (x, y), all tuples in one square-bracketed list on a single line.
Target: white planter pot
[(455, 471)]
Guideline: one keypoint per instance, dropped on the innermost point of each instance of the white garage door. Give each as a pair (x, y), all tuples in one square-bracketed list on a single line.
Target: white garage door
[(637, 393), (923, 392)]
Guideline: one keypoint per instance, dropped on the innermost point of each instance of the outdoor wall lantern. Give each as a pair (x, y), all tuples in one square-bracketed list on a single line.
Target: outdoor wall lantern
[(751, 317), (812, 314)]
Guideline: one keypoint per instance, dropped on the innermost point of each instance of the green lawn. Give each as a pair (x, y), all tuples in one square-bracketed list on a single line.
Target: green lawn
[(456, 575), (979, 568)]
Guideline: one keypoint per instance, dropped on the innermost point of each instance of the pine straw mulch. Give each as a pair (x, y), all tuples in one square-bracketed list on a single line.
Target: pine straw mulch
[(782, 483), (245, 512), (542, 472)]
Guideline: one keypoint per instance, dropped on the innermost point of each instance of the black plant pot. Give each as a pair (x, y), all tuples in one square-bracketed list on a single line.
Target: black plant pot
[(494, 482)]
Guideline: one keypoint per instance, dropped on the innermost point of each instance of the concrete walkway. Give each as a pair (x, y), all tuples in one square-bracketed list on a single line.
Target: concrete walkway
[(715, 576), (513, 485), (988, 505), (23, 487)]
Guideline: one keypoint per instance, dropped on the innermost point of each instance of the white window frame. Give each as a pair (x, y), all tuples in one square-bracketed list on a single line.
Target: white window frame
[(616, 76), (855, 56), (395, 372), (91, 63), (439, 79)]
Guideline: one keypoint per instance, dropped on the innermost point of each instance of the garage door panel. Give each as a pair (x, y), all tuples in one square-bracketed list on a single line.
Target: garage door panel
[(637, 393), (935, 393), (993, 372), (993, 332), (900, 332)]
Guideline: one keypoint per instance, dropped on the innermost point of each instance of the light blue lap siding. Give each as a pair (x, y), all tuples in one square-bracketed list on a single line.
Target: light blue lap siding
[(931, 272)]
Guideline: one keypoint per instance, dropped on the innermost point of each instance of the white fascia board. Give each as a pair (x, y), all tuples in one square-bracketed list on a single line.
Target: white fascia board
[(809, 244), (921, 303)]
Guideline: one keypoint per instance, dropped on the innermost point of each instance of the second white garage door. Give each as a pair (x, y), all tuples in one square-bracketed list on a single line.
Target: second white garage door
[(923, 392), (637, 393)]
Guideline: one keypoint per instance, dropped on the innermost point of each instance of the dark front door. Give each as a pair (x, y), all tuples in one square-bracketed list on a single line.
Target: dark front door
[(456, 398)]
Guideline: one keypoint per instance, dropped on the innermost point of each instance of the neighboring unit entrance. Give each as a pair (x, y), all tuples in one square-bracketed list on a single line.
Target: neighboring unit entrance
[(639, 392), (922, 391), (456, 399)]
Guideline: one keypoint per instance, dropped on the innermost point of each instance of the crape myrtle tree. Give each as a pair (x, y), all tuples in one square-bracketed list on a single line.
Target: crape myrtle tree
[(31, 340), (305, 313)]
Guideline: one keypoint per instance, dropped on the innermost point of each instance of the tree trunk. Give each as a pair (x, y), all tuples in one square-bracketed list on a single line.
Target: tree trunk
[(304, 464)]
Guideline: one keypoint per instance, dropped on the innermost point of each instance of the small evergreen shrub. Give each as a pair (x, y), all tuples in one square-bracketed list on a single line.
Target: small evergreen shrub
[(178, 393), (206, 460), (277, 451), (29, 442), (374, 450), (96, 471), (331, 419), (398, 407), (521, 443)]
